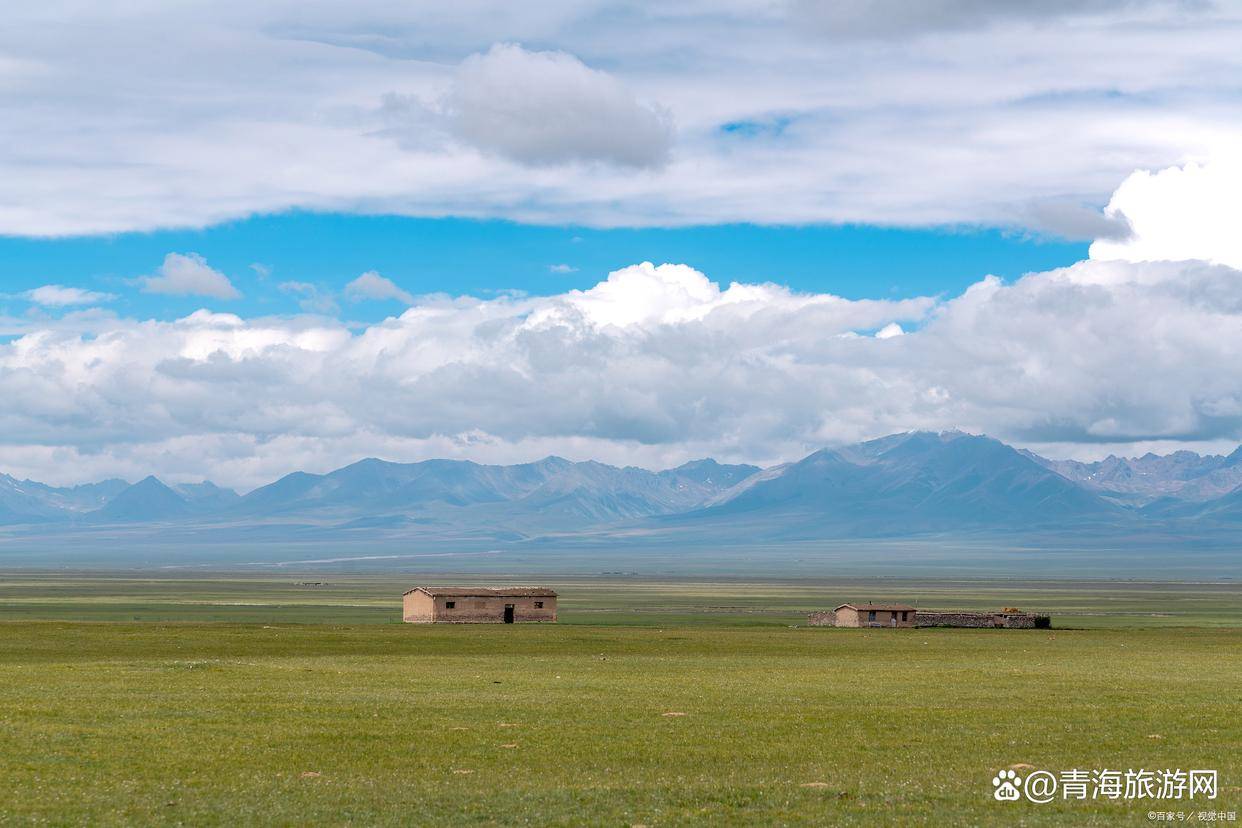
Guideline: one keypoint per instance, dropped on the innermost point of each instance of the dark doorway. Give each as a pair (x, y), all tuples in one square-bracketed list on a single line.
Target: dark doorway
[(508, 613)]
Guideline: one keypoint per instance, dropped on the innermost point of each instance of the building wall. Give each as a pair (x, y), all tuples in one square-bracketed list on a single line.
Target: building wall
[(417, 608), (1021, 620), (847, 617), (477, 609), (885, 618)]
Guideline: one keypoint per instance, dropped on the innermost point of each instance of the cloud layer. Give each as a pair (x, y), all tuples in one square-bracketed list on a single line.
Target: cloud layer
[(653, 366), (191, 113), (888, 18)]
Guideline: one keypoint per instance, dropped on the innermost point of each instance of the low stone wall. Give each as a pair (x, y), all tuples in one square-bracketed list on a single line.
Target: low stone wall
[(1007, 620), (925, 618)]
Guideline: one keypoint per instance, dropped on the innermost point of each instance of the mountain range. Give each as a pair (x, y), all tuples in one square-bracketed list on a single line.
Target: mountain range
[(1182, 475), (904, 485)]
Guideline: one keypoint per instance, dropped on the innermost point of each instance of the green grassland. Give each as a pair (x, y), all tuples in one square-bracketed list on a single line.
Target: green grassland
[(229, 700)]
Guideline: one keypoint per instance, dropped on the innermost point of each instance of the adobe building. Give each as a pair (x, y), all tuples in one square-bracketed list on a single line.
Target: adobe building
[(874, 615), (478, 605)]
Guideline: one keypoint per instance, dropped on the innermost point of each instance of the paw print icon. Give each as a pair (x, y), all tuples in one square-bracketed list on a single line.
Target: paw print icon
[(1006, 784)]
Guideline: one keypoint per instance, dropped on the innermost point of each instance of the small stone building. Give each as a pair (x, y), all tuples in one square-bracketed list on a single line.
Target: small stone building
[(874, 615), (478, 605)]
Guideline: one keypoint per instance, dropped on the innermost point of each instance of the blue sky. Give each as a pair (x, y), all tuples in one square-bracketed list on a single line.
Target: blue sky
[(480, 258)]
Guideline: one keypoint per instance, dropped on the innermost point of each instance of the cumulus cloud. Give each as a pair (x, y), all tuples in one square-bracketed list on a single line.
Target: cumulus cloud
[(311, 298), (1186, 212), (550, 108), (562, 268), (371, 285), (188, 274), (58, 296), (654, 365), (1069, 219)]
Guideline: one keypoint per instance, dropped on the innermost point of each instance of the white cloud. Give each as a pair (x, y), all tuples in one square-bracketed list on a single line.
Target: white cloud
[(1030, 120), (57, 296), (1186, 212), (655, 365), (899, 18), (1070, 219), (889, 331), (549, 108), (188, 274), (562, 268), (311, 298), (644, 293), (371, 285)]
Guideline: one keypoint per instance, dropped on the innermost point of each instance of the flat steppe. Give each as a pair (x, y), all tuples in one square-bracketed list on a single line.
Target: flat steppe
[(257, 700)]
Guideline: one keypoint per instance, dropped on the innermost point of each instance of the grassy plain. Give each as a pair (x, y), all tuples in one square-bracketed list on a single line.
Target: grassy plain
[(609, 600), (252, 700)]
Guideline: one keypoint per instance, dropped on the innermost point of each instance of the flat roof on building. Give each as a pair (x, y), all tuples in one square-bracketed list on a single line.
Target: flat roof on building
[(484, 592), (882, 607)]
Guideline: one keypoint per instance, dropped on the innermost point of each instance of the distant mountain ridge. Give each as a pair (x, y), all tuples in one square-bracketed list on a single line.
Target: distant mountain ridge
[(148, 499), (22, 498), (114, 499), (910, 484), (587, 490), (1183, 475)]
